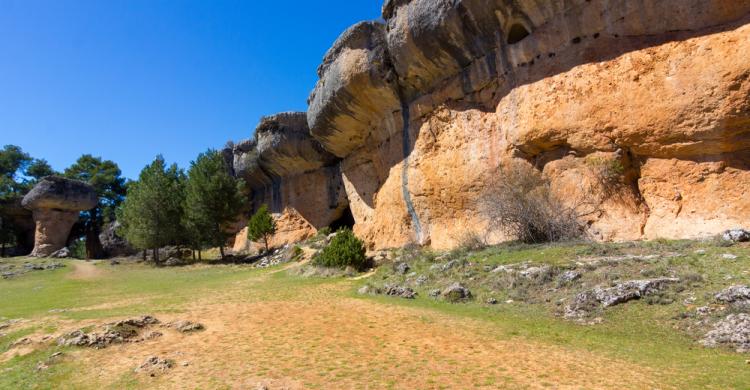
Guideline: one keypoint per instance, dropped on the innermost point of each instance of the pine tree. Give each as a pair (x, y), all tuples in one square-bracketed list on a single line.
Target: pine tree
[(152, 212), (261, 226), (105, 177), (212, 200)]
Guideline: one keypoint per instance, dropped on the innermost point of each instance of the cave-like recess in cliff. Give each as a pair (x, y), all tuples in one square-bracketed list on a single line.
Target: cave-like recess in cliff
[(345, 220), (517, 33)]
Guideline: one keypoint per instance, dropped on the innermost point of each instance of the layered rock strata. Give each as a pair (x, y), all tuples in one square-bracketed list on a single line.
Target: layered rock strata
[(639, 108), (55, 203), (286, 169)]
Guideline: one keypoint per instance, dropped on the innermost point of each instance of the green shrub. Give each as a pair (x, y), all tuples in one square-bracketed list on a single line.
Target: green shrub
[(297, 253), (261, 226), (345, 250), (324, 232)]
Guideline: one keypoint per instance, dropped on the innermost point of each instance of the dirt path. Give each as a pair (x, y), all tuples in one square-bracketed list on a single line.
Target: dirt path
[(323, 339), (83, 270)]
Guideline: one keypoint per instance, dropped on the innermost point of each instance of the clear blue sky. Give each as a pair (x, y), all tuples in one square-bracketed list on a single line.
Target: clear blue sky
[(129, 79)]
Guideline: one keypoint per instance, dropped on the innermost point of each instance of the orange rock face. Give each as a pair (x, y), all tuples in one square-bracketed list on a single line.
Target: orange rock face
[(641, 108)]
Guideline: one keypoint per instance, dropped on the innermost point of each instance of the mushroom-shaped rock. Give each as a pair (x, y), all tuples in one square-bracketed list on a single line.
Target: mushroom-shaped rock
[(356, 90), (285, 146), (245, 163), (55, 203), (282, 147)]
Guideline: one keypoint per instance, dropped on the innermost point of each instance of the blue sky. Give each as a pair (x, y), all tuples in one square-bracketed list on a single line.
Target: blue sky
[(129, 79)]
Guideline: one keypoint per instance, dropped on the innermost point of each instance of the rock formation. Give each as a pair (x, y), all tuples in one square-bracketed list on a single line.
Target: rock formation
[(286, 169), (55, 203), (113, 244), (641, 107)]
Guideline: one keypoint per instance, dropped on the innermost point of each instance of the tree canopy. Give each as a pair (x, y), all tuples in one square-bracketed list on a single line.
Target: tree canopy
[(152, 212), (19, 172), (212, 198), (261, 226), (105, 177)]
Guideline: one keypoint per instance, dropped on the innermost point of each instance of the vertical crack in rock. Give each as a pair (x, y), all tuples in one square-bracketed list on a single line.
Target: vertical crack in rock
[(405, 170)]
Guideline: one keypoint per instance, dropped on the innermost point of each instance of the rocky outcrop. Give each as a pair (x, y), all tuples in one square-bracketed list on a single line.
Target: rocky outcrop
[(357, 89), (654, 92), (55, 203), (289, 171), (113, 244), (638, 109)]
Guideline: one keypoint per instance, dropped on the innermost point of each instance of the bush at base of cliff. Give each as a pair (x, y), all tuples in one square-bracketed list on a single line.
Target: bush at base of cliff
[(345, 250), (522, 205)]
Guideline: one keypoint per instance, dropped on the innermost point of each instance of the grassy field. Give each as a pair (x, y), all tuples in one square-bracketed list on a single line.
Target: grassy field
[(284, 331)]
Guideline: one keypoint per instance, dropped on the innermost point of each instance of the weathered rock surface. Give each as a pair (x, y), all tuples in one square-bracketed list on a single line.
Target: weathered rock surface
[(113, 244), (356, 91), (399, 291), (456, 293), (736, 235), (55, 203), (733, 331), (586, 302), (638, 107), (737, 296), (153, 365), (289, 171)]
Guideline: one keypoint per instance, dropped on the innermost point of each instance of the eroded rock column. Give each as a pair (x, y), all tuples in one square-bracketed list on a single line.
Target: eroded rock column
[(56, 203)]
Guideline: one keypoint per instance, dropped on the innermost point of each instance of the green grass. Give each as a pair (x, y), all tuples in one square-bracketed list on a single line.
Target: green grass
[(637, 331), (36, 293)]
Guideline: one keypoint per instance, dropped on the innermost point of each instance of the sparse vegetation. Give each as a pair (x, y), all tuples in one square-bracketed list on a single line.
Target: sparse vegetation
[(522, 205), (344, 250)]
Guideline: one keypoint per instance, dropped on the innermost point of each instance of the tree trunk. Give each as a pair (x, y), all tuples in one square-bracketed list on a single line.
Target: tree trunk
[(199, 255), (265, 240), (221, 250), (94, 248), (193, 251), (145, 255), (2, 251), (156, 256)]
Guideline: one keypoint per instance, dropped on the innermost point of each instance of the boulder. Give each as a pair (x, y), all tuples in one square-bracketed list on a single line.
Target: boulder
[(401, 268), (399, 291), (736, 235), (456, 293), (113, 244), (733, 331), (586, 302), (63, 253), (185, 326), (737, 296), (55, 203)]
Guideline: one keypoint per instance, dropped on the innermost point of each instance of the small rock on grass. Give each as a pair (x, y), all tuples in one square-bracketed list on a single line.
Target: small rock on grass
[(401, 268), (736, 235), (400, 291), (456, 293), (729, 256), (154, 364), (185, 326)]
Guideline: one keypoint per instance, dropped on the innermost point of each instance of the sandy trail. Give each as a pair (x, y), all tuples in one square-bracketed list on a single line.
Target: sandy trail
[(323, 339), (83, 270)]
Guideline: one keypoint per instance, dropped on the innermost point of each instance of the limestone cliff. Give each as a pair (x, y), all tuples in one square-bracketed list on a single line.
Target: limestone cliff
[(421, 111), (286, 169)]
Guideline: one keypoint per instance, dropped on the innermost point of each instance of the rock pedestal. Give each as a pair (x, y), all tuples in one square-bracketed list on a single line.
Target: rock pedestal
[(56, 203)]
